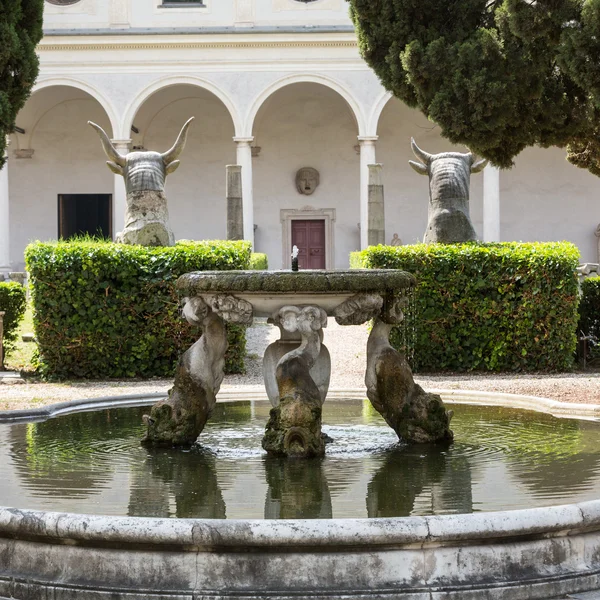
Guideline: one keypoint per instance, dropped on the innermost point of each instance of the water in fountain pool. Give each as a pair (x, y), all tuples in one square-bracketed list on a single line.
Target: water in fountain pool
[(502, 459)]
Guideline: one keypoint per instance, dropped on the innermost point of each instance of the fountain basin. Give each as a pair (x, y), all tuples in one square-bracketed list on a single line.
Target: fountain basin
[(268, 291), (520, 554)]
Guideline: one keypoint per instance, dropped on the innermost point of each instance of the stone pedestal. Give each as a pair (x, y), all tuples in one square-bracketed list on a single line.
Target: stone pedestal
[(376, 232), (235, 214), (320, 371), (294, 427), (147, 220)]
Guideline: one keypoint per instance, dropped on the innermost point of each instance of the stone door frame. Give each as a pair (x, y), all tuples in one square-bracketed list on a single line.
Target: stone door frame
[(307, 213)]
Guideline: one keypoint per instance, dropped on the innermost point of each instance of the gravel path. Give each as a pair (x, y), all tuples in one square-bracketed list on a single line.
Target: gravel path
[(347, 346)]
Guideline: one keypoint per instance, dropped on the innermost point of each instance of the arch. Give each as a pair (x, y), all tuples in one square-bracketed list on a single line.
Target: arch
[(163, 83), (85, 87), (376, 111), (329, 82)]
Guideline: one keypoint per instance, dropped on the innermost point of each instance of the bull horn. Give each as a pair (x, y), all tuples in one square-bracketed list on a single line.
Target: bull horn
[(477, 165), (170, 155), (420, 154), (109, 149)]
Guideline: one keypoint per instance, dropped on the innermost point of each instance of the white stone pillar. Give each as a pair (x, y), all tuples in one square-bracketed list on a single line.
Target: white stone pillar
[(491, 204), (367, 157), (244, 159), (119, 194), (4, 222)]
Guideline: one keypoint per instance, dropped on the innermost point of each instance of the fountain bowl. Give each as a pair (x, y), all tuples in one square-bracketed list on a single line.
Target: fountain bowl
[(528, 554)]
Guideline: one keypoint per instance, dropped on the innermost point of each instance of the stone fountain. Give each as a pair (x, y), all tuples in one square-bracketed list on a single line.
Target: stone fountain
[(296, 367)]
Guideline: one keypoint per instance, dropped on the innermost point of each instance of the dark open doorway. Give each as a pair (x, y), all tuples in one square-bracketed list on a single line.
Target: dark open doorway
[(80, 214)]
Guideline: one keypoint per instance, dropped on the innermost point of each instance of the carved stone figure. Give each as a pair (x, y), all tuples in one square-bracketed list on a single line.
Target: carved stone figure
[(395, 241), (415, 415), (449, 174), (232, 309), (358, 309), (307, 180), (294, 427), (178, 420), (597, 233), (146, 216)]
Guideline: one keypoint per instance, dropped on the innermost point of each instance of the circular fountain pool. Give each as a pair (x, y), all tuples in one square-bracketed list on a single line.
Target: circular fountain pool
[(502, 459), (93, 511)]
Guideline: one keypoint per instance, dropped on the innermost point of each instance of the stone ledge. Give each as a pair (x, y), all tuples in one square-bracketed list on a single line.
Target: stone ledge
[(313, 281)]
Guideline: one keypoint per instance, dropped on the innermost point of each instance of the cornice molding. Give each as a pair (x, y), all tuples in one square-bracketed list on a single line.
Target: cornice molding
[(123, 46)]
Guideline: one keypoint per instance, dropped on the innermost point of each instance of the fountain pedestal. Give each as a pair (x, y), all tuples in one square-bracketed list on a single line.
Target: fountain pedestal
[(296, 367)]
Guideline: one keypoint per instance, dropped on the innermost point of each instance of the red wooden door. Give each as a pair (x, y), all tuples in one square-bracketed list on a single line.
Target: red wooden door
[(309, 236)]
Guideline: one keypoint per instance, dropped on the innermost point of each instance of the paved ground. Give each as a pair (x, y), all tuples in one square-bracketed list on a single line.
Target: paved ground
[(347, 346)]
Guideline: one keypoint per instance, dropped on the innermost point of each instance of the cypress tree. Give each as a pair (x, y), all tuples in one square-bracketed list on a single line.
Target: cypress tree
[(20, 31), (495, 75)]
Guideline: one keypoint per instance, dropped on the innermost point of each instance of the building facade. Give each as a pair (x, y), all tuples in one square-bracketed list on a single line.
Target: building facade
[(276, 86)]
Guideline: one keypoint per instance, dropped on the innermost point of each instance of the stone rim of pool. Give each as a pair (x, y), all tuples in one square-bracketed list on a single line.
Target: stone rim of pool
[(517, 554)]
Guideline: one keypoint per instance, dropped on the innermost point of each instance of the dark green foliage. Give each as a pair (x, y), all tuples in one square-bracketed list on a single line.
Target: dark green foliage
[(13, 300), (495, 75), (495, 307), (111, 310), (20, 31), (259, 261), (589, 311)]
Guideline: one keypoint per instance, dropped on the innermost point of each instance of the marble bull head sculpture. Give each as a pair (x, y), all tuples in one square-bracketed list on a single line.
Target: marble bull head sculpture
[(143, 171), (449, 179)]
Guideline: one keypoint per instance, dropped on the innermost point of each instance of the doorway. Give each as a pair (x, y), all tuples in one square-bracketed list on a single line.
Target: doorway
[(80, 214), (309, 236)]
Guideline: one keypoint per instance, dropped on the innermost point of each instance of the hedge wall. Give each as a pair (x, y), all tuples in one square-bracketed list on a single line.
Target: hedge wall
[(13, 300), (589, 311), (496, 307), (104, 310), (259, 261)]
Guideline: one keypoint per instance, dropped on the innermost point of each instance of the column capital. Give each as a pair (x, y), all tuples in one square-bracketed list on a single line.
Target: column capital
[(367, 139), (242, 141), (122, 144)]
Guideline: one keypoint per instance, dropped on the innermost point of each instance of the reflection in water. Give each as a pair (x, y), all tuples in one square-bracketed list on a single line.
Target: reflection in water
[(408, 472), (187, 479), (502, 459), (297, 489), (552, 457), (70, 457)]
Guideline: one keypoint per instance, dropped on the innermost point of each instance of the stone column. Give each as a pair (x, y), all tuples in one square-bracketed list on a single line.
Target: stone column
[(491, 204), (235, 216), (376, 215), (367, 157), (119, 195), (244, 159), (4, 223)]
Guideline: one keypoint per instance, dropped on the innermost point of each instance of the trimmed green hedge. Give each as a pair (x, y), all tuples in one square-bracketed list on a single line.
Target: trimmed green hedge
[(589, 311), (13, 300), (259, 261), (496, 307), (111, 310)]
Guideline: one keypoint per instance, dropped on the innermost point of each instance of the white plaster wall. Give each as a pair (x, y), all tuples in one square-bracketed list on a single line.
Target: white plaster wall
[(85, 14), (545, 198), (305, 125), (294, 13), (150, 13), (93, 14), (406, 192), (196, 191), (68, 159)]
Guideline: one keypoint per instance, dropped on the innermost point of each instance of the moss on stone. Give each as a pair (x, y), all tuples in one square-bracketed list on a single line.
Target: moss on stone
[(315, 281)]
